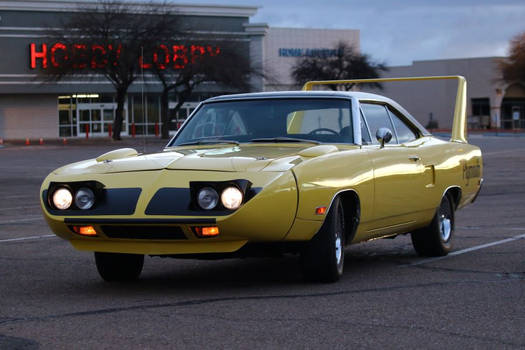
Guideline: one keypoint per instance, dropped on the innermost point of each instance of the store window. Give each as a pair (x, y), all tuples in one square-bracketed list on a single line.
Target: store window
[(67, 117), (93, 114), (145, 113), (480, 118)]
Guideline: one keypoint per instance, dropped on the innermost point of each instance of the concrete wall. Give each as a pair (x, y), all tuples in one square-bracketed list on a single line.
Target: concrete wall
[(438, 97), (279, 67), (26, 116)]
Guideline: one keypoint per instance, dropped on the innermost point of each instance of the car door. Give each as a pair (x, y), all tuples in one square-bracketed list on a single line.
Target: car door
[(399, 174)]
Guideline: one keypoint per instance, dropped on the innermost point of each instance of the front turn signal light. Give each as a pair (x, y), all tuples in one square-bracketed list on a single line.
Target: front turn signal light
[(206, 231), (85, 230)]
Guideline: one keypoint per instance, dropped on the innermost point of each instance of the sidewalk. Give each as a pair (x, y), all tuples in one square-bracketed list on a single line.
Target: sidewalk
[(95, 141), (482, 133)]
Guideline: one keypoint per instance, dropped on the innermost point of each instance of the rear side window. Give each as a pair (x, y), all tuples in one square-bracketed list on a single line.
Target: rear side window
[(376, 117), (403, 131)]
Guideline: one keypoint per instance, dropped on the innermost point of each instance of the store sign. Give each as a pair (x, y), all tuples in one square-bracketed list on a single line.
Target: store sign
[(43, 56), (295, 52)]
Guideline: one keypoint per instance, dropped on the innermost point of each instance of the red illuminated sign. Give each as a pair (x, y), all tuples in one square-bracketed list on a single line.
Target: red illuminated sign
[(98, 56), (38, 55)]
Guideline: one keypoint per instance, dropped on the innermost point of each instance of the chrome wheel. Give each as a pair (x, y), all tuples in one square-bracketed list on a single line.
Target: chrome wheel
[(338, 250), (436, 239), (445, 227), (323, 257)]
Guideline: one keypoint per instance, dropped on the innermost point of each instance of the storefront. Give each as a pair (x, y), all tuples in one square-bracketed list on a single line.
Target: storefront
[(33, 106), (93, 114)]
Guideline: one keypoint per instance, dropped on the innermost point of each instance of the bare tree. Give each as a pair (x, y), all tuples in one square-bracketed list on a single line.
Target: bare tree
[(193, 62), (513, 68), (343, 62), (109, 39)]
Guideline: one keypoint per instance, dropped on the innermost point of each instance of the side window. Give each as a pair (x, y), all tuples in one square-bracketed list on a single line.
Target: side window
[(377, 117), (403, 131), (365, 135)]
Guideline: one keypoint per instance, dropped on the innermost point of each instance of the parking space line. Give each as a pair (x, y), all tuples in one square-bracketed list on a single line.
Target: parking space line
[(17, 208), (20, 196), (25, 238), (468, 250), (15, 221)]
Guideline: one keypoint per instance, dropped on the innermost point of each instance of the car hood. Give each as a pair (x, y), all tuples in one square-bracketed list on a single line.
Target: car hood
[(236, 158)]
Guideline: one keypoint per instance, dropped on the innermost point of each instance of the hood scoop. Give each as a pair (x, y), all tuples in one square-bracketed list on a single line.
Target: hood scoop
[(117, 154), (317, 151)]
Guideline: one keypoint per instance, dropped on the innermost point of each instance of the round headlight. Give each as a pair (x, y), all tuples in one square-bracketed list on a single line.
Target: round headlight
[(62, 198), (231, 198), (84, 198), (207, 198)]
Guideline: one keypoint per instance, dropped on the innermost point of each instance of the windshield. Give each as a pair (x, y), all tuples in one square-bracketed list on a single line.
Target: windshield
[(269, 120)]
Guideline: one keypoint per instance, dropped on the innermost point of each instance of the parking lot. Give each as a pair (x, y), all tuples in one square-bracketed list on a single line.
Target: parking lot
[(52, 297)]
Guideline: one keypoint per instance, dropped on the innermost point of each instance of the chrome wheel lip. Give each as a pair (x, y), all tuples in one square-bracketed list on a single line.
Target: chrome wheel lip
[(338, 249), (445, 227), (339, 252)]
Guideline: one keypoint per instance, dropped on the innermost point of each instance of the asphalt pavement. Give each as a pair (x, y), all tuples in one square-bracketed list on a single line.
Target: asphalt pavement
[(52, 297)]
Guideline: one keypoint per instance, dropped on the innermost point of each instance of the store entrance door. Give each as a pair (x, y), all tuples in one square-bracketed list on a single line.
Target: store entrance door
[(97, 118), (513, 113)]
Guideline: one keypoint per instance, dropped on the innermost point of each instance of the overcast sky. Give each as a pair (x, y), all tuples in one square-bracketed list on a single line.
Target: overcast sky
[(399, 32)]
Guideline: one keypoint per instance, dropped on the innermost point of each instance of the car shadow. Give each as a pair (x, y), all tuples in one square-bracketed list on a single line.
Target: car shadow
[(162, 275)]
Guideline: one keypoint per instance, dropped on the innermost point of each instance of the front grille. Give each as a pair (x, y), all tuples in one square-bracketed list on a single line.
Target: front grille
[(143, 232)]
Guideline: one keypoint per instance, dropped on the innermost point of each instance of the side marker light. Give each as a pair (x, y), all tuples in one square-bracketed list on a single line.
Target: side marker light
[(320, 210)]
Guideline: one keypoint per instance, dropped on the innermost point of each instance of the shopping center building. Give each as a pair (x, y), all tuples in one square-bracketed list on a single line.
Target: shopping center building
[(491, 102), (34, 107)]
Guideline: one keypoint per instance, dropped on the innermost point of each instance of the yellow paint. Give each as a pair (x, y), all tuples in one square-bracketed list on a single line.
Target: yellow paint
[(158, 247), (399, 187)]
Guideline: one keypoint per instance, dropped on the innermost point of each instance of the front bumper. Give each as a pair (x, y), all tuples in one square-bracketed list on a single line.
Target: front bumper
[(268, 216)]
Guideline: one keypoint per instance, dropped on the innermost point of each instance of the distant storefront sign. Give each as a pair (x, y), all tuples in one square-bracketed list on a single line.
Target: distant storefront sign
[(98, 56), (297, 52)]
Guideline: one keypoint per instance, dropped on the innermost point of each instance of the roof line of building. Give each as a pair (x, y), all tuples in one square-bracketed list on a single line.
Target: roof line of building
[(448, 59), (317, 29), (182, 8)]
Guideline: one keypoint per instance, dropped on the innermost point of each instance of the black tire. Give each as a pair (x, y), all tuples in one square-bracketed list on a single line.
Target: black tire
[(322, 258), (436, 238), (119, 267)]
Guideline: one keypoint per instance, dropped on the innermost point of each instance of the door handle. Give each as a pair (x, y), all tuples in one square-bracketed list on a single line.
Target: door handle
[(414, 158)]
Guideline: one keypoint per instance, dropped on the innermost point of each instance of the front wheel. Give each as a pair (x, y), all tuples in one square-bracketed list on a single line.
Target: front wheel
[(323, 257), (119, 267), (436, 238)]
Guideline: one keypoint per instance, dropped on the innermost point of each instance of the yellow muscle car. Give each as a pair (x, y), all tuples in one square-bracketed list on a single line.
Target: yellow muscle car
[(305, 172)]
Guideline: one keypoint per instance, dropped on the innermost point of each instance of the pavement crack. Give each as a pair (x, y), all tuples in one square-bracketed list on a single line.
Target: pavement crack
[(513, 275), (105, 311)]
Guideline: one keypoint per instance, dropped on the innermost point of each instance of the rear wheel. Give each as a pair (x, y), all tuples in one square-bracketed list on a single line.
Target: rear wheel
[(436, 238), (119, 267), (322, 258)]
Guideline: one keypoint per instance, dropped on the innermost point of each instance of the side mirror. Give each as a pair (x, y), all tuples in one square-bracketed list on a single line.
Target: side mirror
[(383, 135)]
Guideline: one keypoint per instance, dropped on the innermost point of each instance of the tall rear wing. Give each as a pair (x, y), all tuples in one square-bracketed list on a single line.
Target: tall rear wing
[(459, 125)]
